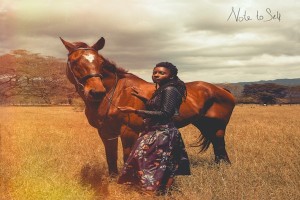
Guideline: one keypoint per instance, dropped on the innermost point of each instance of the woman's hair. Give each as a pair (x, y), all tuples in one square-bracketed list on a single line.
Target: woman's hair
[(174, 81), (173, 69)]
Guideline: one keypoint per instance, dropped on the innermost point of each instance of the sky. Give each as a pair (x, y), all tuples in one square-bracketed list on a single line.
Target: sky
[(208, 40)]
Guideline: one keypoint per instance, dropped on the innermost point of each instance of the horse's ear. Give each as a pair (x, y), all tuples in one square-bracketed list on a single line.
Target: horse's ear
[(99, 44), (69, 46)]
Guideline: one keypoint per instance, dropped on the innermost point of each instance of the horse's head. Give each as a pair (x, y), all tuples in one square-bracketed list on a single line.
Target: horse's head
[(86, 68)]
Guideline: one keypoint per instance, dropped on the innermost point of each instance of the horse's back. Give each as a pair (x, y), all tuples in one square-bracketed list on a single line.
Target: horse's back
[(203, 100), (208, 100)]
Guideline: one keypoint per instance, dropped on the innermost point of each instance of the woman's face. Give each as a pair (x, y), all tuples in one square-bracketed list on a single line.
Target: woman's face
[(161, 75)]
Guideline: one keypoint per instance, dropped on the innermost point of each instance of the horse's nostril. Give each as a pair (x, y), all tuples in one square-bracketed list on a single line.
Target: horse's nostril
[(95, 94)]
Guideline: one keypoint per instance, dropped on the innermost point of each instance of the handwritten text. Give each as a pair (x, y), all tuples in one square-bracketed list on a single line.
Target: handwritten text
[(244, 16)]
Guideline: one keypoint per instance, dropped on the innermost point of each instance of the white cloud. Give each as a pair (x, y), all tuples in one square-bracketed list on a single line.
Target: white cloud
[(194, 35)]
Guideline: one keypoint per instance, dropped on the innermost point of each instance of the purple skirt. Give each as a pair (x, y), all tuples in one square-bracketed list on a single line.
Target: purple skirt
[(158, 154)]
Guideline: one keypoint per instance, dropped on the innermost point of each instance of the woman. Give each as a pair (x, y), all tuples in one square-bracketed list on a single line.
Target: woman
[(159, 153)]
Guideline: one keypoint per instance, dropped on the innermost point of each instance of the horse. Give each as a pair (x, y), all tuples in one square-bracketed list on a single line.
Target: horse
[(104, 87)]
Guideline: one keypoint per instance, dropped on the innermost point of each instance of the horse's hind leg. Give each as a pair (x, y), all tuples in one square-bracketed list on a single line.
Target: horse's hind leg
[(218, 142), (213, 131)]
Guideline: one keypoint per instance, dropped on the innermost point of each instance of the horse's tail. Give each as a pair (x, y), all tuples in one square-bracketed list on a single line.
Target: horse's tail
[(203, 143), (204, 139), (208, 128)]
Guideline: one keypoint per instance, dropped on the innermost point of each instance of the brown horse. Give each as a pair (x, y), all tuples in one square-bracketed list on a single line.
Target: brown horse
[(104, 87)]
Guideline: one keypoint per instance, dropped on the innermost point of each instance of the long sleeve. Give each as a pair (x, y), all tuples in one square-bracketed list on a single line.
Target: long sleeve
[(171, 99)]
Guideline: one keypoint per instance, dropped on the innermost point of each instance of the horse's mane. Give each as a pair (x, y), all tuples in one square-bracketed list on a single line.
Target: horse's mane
[(81, 45), (119, 70)]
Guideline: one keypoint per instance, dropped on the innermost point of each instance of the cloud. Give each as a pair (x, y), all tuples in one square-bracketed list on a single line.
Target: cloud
[(194, 35)]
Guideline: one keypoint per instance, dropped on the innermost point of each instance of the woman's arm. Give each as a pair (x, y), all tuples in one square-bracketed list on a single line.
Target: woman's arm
[(170, 100)]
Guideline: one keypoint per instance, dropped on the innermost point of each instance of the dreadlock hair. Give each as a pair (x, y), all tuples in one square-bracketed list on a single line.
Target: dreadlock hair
[(173, 69), (174, 80)]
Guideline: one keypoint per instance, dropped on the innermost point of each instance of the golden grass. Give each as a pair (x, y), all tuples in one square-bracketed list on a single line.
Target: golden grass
[(53, 153)]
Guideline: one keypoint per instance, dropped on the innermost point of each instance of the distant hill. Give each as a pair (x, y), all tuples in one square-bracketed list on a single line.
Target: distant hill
[(287, 82), (31, 78)]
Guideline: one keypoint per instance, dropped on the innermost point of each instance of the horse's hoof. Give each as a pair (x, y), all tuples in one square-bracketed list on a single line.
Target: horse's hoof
[(113, 174), (220, 159)]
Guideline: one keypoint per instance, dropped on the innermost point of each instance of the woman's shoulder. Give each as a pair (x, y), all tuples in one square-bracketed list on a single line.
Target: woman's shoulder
[(170, 89)]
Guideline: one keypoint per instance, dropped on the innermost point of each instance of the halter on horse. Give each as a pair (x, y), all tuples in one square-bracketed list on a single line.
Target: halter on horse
[(103, 87)]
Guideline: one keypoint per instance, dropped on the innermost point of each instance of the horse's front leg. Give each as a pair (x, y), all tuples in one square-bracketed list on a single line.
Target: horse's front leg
[(111, 151), (128, 138)]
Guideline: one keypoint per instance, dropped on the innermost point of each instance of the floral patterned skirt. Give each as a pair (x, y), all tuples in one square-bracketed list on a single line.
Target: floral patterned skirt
[(158, 154)]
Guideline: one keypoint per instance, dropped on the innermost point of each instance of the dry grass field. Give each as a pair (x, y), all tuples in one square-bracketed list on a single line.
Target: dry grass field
[(52, 153)]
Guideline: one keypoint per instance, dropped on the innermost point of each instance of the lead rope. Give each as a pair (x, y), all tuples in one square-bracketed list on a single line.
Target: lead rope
[(80, 86), (110, 101)]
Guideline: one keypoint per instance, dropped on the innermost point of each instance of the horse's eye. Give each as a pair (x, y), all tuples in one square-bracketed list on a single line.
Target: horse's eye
[(103, 76)]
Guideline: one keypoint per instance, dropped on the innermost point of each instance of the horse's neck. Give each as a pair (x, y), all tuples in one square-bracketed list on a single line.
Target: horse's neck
[(134, 78), (124, 81)]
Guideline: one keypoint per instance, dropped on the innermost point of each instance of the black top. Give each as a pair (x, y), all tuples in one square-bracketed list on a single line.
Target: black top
[(162, 106)]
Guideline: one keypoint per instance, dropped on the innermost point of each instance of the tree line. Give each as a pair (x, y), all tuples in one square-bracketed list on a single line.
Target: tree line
[(265, 93), (29, 78)]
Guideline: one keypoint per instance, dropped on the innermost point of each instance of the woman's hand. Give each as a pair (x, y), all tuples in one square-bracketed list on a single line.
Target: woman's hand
[(127, 109), (139, 93)]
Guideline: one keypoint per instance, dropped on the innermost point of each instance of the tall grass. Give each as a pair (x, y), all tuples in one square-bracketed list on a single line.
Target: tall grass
[(53, 153)]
